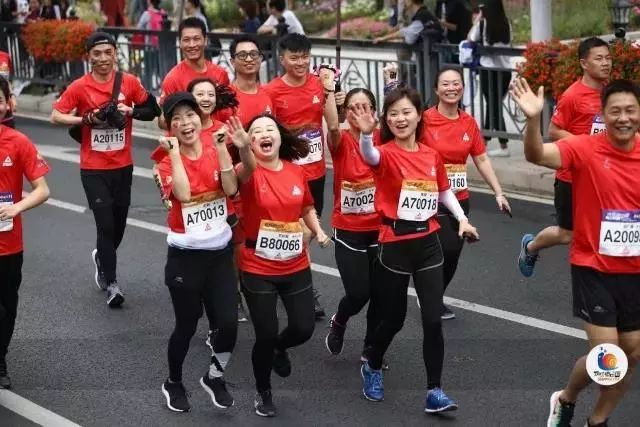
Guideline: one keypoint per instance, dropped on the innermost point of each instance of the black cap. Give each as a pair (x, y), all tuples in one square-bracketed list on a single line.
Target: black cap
[(97, 38), (175, 99)]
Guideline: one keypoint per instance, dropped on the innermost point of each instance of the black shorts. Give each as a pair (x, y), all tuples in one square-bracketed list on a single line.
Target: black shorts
[(609, 300), (563, 203), (289, 284), (105, 188), (316, 186)]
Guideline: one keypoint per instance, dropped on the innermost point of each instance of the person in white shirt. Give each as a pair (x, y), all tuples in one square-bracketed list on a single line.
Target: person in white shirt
[(278, 11)]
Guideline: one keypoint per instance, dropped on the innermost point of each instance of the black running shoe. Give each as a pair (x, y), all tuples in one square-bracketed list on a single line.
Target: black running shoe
[(217, 389), (177, 396), (98, 276), (264, 404), (319, 310), (115, 297), (447, 314), (335, 338), (281, 363), (242, 313), (5, 381)]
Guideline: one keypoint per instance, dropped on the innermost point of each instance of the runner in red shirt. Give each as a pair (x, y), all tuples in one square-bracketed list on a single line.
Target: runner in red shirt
[(355, 223), (456, 136), (192, 35), (19, 160), (605, 251), (577, 113), (198, 177), (106, 165), (300, 101), (410, 180), (274, 259)]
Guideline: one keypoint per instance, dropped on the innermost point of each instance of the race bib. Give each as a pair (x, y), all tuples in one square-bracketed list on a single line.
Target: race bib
[(204, 213), (418, 200), (598, 126), (314, 137), (107, 139), (457, 175), (357, 197), (279, 241), (620, 233), (6, 199)]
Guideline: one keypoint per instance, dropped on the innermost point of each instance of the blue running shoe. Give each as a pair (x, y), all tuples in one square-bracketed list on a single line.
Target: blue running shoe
[(526, 260), (373, 386), (437, 401)]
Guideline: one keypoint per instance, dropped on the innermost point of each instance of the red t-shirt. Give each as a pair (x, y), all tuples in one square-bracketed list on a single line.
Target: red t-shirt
[(179, 77), (607, 198), (273, 196), (455, 140), (418, 177), (5, 65), (102, 148), (204, 181), (18, 158), (353, 186), (301, 110), (252, 104), (578, 112)]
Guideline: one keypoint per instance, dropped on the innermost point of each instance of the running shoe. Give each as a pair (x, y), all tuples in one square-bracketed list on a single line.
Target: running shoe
[(115, 297), (372, 383), (242, 314), (264, 404), (5, 381), (319, 310), (217, 389), (438, 401), (177, 397), (447, 314), (560, 413), (281, 363), (98, 276), (335, 338), (208, 340), (526, 260), (602, 424), (364, 358)]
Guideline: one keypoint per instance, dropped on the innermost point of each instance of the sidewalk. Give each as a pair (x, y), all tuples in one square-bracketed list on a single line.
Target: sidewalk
[(515, 174)]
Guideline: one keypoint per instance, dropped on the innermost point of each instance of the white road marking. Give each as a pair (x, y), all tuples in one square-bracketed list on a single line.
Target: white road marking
[(29, 410)]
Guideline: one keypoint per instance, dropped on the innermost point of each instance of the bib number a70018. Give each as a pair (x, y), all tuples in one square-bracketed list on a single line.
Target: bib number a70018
[(418, 200)]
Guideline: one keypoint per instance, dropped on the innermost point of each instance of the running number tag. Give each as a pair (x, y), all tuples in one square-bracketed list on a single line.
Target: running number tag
[(357, 197), (107, 139), (418, 200), (6, 199), (457, 175), (598, 126), (279, 241), (620, 233), (314, 137), (205, 212)]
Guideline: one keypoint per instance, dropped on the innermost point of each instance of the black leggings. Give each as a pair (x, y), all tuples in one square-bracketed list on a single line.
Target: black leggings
[(261, 293), (111, 222), (356, 254), (495, 85), (10, 279), (451, 243), (421, 259), (194, 278)]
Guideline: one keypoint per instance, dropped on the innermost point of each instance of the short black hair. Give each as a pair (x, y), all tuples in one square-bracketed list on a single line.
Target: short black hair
[(155, 3), (246, 38), (192, 22), (392, 97), (297, 43), (619, 86), (278, 5), (586, 45)]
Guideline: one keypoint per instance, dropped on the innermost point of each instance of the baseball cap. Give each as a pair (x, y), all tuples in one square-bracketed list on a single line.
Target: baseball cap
[(175, 99), (97, 38)]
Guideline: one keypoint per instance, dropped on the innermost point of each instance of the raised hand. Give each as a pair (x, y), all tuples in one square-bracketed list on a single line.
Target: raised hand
[(236, 133), (390, 72), (169, 144), (361, 115), (327, 77), (530, 103)]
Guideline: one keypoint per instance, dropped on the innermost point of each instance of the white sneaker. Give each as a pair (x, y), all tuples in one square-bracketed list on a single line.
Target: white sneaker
[(499, 152)]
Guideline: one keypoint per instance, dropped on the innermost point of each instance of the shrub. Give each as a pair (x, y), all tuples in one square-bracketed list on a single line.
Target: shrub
[(361, 28), (56, 41)]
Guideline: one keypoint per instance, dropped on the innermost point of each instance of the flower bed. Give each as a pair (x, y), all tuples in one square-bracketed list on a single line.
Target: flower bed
[(361, 28), (56, 41)]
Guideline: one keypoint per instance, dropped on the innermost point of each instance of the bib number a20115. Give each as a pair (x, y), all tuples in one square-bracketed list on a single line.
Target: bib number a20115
[(418, 200), (279, 241), (205, 213), (314, 137), (356, 198), (457, 175), (107, 139), (620, 233), (6, 199)]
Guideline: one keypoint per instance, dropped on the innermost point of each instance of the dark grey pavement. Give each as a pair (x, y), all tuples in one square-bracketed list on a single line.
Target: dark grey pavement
[(102, 367)]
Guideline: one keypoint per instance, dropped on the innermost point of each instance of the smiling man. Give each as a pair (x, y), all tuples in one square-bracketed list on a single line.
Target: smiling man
[(605, 252)]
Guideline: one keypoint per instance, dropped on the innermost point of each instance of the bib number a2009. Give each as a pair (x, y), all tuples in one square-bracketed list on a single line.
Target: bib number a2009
[(620, 233), (107, 139)]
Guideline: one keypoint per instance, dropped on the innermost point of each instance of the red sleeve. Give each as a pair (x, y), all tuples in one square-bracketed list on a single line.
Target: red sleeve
[(139, 94), (158, 154), (570, 151), (441, 174), (167, 88), (307, 199), (33, 165), (166, 181), (223, 77), (68, 101), (478, 145), (563, 112)]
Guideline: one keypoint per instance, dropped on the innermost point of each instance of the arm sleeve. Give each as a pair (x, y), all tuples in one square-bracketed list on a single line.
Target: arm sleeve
[(449, 200), (412, 32), (139, 94), (33, 165), (370, 154)]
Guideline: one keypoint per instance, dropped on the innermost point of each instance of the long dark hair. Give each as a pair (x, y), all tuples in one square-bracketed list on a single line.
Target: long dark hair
[(498, 30), (292, 147), (392, 97), (225, 96)]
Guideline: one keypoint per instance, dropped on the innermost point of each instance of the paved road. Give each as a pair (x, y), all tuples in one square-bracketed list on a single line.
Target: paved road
[(95, 366)]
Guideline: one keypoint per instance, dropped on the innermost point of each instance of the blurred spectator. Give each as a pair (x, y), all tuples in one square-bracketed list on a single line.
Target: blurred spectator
[(114, 11), (455, 17), (151, 19), (393, 13), (136, 9), (491, 28), (283, 17), (61, 8), (249, 11), (20, 11), (35, 8), (193, 8), (263, 11)]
